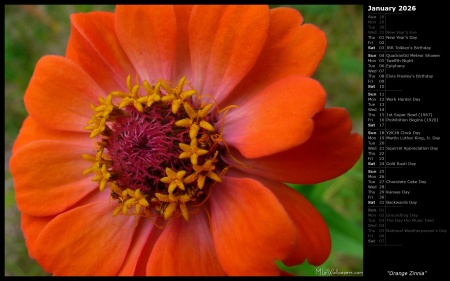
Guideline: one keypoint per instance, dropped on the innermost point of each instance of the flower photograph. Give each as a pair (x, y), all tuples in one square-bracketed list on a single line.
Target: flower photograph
[(183, 140)]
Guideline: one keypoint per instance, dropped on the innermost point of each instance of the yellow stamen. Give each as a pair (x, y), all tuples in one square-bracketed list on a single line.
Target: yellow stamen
[(193, 121), (102, 176), (207, 126), (153, 95), (209, 169), (176, 95), (131, 97), (129, 198), (192, 151), (174, 180), (174, 201), (105, 107)]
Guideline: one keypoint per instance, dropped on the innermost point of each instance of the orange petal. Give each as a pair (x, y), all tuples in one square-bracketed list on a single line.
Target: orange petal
[(85, 241), (314, 241), (31, 228), (291, 49), (59, 94), (182, 54), (185, 248), (225, 42), (301, 47), (277, 119), (32, 131), (144, 233), (285, 273), (250, 227), (148, 36), (93, 45), (331, 151), (144, 255), (51, 172)]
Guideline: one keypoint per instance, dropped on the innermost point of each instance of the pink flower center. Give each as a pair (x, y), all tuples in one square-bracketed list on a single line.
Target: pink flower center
[(157, 149), (142, 145)]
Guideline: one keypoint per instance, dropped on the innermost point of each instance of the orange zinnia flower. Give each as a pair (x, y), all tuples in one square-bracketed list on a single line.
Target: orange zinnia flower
[(160, 143)]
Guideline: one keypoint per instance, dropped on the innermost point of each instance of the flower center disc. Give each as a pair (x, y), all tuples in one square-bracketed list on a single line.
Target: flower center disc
[(157, 149)]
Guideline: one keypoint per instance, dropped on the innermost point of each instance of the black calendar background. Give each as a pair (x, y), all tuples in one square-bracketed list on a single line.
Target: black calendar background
[(391, 254)]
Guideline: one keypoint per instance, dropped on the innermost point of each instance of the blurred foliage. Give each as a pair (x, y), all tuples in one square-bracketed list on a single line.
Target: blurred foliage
[(340, 201), (32, 31)]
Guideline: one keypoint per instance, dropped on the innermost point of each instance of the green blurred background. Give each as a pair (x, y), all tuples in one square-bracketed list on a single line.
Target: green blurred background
[(32, 31)]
